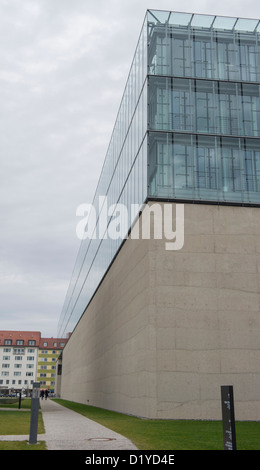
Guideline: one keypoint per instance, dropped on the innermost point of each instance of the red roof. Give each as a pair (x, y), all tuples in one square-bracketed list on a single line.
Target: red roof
[(24, 336), (53, 343)]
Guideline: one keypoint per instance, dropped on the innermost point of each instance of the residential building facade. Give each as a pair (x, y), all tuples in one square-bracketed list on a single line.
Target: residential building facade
[(49, 351), (155, 332), (18, 359), (26, 358)]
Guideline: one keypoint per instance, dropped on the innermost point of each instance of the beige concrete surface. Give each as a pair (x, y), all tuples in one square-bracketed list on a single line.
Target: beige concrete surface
[(167, 328)]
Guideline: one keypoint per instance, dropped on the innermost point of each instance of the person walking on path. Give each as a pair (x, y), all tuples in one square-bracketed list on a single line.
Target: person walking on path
[(46, 393), (42, 394)]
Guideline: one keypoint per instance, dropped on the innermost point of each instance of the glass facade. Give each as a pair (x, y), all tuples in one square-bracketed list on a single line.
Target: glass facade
[(204, 108), (188, 128), (123, 180)]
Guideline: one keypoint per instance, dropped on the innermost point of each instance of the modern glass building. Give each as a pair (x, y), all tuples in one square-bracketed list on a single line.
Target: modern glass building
[(187, 130)]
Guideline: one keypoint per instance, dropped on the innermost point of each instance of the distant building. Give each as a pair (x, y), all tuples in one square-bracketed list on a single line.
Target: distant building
[(49, 351), (24, 357)]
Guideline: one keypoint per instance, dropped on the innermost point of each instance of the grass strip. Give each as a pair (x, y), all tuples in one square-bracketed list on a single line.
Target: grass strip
[(25, 404), (22, 445), (149, 434), (18, 423)]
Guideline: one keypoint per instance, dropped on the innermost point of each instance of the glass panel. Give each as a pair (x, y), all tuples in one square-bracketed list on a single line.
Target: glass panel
[(180, 19), (205, 116), (223, 22), (182, 167), (159, 16), (202, 21), (202, 55), (244, 24), (251, 109), (181, 55), (231, 169), (228, 109), (252, 166), (181, 105)]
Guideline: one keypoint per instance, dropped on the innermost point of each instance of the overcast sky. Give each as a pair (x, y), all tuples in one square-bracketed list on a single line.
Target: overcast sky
[(63, 69)]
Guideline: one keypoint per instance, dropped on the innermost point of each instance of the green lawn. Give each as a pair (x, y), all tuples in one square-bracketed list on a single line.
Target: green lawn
[(149, 434), (25, 404), (18, 422), (21, 445), (15, 422)]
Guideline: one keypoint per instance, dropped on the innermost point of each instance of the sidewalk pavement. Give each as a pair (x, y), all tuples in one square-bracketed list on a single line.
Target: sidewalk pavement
[(67, 430)]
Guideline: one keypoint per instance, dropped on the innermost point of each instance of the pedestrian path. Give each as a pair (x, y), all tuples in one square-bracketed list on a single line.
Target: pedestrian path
[(67, 430)]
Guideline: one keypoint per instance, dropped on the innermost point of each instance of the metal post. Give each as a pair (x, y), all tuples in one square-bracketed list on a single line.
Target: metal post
[(20, 399), (34, 413), (228, 417)]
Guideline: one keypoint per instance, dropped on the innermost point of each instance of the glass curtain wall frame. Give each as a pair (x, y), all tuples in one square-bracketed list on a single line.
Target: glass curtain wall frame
[(123, 180), (207, 168), (201, 46), (203, 108)]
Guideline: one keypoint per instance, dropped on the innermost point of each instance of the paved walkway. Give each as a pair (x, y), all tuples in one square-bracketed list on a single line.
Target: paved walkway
[(67, 430)]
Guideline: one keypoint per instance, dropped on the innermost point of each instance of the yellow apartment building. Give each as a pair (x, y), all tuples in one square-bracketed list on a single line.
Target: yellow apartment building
[(49, 351)]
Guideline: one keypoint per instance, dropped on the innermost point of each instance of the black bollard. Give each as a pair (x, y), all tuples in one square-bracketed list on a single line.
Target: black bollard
[(228, 417), (34, 413)]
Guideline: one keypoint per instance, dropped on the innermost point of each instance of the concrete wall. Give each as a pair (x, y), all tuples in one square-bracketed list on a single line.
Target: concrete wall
[(167, 328)]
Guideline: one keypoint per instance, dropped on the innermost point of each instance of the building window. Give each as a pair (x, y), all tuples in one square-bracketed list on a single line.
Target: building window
[(18, 350), (19, 342), (6, 358), (30, 350), (5, 366), (17, 374), (8, 342), (7, 350), (18, 358), (31, 342), (45, 344)]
